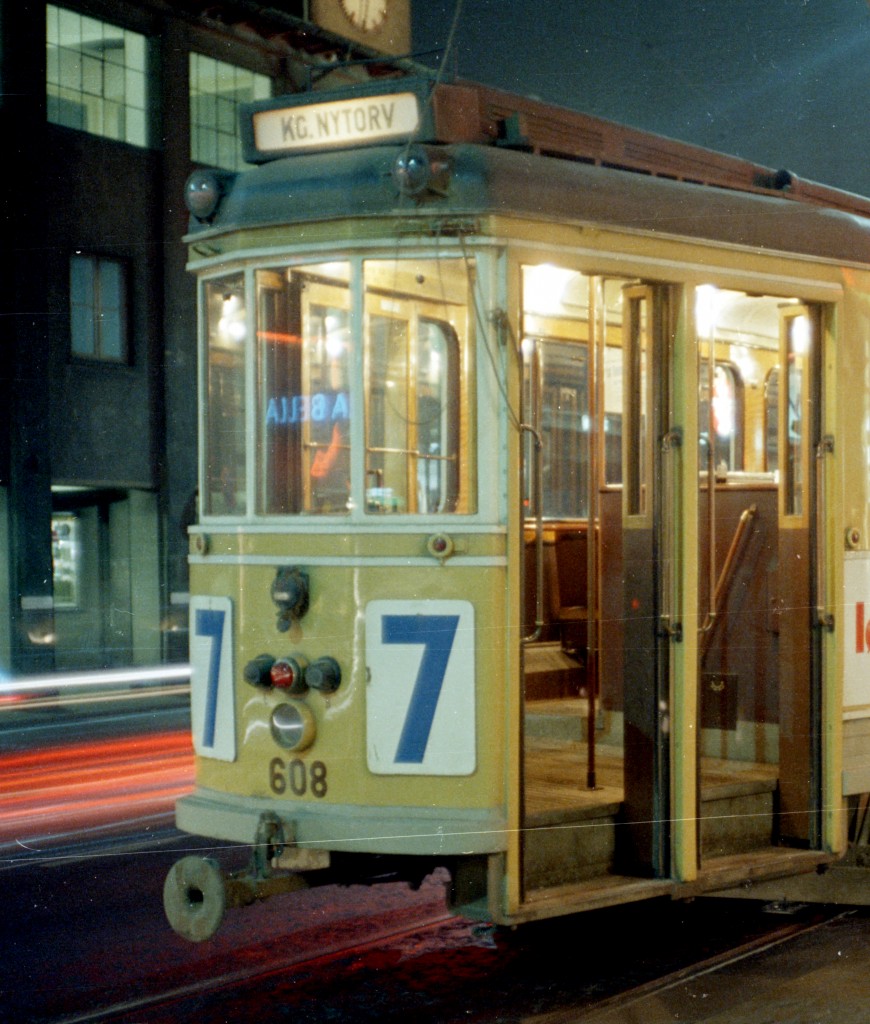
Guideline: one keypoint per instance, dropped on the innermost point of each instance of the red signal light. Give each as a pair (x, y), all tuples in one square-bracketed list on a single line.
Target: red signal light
[(288, 674)]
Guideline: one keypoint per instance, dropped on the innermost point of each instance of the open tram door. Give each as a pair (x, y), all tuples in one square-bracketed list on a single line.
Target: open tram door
[(761, 569), (599, 529), (651, 515)]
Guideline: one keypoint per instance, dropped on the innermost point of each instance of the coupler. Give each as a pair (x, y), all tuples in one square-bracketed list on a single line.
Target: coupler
[(197, 891)]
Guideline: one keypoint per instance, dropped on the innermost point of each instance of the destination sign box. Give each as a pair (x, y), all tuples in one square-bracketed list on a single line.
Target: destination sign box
[(355, 121)]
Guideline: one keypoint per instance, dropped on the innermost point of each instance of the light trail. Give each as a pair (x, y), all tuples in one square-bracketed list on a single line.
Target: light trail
[(78, 785), (156, 675)]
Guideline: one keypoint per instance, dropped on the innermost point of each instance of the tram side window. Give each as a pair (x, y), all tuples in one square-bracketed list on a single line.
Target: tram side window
[(771, 421), (303, 373), (739, 351), (556, 328), (418, 455), (724, 421), (563, 386), (226, 332)]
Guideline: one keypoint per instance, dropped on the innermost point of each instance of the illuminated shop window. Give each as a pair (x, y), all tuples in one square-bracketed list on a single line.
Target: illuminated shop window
[(98, 308), (217, 89), (66, 559), (96, 77)]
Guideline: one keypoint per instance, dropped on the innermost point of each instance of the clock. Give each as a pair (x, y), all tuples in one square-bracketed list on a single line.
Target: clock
[(366, 15), (382, 25)]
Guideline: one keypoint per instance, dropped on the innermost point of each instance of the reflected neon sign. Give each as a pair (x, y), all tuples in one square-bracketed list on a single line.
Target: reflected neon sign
[(321, 407)]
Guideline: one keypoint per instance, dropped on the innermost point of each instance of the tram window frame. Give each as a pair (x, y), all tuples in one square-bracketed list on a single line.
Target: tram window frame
[(99, 309), (800, 327), (637, 411), (304, 448), (423, 293), (727, 449), (223, 424), (551, 451), (771, 420)]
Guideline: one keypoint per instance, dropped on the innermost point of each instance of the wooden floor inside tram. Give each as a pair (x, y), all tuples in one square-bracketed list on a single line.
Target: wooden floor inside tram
[(571, 830)]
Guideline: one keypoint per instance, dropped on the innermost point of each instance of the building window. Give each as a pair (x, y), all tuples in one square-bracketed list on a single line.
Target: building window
[(96, 77), (217, 89), (66, 559), (98, 308)]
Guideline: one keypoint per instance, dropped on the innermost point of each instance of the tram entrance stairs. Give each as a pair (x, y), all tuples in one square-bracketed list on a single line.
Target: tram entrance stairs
[(572, 832)]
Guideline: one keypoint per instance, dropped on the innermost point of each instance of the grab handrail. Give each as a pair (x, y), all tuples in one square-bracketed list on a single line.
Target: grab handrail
[(726, 576)]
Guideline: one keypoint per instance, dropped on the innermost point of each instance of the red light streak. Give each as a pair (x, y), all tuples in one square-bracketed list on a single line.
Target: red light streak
[(77, 785), (280, 337)]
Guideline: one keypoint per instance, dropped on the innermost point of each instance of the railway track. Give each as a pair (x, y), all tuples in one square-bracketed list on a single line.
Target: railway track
[(388, 951), (642, 1001), (161, 1006)]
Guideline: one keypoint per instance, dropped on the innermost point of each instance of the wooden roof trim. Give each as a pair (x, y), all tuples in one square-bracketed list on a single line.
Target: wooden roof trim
[(467, 112)]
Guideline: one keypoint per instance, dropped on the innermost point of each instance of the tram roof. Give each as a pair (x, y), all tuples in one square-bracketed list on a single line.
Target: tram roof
[(512, 155), (484, 179)]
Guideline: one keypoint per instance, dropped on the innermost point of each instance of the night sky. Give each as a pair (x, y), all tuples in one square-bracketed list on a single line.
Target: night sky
[(785, 83)]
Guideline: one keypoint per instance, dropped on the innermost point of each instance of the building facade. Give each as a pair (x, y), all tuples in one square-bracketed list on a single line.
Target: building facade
[(106, 108)]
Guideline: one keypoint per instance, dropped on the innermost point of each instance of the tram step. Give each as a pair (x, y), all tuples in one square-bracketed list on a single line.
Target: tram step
[(560, 851), (737, 818), (569, 844), (552, 673), (547, 726)]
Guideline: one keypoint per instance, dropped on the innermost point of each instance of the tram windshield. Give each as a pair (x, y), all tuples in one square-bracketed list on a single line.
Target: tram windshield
[(404, 379)]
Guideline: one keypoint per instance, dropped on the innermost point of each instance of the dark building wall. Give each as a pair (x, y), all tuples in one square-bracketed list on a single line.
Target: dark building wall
[(178, 469), (25, 339), (125, 433), (103, 415)]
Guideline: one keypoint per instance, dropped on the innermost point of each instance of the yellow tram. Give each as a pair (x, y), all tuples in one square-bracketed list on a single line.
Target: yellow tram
[(533, 535)]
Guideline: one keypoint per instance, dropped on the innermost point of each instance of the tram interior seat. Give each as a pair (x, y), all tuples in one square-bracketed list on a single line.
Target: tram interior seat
[(555, 665), (567, 589)]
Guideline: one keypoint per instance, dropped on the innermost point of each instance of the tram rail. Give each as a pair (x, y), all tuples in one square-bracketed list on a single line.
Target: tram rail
[(237, 977), (607, 1010)]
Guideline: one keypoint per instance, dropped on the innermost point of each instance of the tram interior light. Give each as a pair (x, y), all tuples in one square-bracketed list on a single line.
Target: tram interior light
[(548, 289), (800, 338), (231, 326), (707, 303)]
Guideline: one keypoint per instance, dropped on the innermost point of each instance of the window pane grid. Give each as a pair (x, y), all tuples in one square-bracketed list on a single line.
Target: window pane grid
[(96, 77), (98, 328), (217, 89)]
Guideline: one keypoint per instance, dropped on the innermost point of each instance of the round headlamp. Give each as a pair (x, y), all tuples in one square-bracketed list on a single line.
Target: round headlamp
[(293, 726), (203, 192), (421, 169)]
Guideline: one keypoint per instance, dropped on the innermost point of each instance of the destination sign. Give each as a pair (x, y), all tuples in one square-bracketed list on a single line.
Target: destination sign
[(337, 123)]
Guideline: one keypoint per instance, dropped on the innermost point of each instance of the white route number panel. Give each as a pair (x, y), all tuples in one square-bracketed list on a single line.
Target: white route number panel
[(212, 702), (420, 693)]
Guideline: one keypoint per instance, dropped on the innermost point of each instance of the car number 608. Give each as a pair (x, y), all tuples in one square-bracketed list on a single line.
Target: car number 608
[(300, 777)]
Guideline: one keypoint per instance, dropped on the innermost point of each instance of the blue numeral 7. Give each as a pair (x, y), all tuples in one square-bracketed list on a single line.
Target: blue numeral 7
[(210, 623), (436, 633)]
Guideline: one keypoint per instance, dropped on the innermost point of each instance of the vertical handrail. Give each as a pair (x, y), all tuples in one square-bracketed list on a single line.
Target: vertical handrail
[(710, 617), (597, 340), (671, 613), (823, 617), (534, 429)]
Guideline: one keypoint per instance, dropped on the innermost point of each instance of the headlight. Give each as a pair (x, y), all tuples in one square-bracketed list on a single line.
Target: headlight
[(293, 726)]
